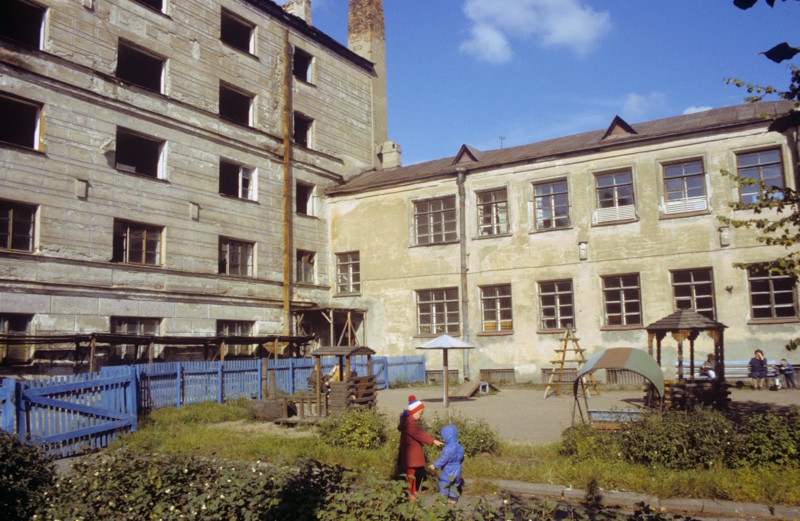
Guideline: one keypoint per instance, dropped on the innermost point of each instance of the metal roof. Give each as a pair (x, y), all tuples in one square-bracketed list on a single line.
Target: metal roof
[(737, 116)]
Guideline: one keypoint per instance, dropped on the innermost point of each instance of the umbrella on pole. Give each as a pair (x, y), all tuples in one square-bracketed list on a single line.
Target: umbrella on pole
[(446, 343)]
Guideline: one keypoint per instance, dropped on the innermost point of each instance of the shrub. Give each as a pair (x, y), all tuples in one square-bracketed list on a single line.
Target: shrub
[(582, 442), (476, 436), (26, 477), (768, 438), (356, 429)]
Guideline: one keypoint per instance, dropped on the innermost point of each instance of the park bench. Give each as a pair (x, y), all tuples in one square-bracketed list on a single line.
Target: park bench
[(734, 369), (434, 376)]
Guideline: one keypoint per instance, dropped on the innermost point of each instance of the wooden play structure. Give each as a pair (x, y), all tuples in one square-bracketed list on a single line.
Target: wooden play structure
[(682, 392), (569, 344)]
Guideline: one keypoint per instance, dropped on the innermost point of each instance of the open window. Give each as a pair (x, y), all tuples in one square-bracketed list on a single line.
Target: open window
[(237, 33), (22, 22), (138, 154), (158, 5), (235, 257), (17, 226), (305, 266), (304, 199), (348, 273), (140, 67), (237, 181), (235, 105), (302, 129), (301, 65), (20, 122)]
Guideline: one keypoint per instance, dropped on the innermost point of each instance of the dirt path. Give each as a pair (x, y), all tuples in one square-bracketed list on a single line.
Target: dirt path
[(522, 415)]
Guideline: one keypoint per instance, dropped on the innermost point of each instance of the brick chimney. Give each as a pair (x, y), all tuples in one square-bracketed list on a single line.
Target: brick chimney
[(366, 37), (299, 8)]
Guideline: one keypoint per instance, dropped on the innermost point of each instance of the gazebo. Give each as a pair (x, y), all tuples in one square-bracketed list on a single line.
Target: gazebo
[(686, 325), (350, 390)]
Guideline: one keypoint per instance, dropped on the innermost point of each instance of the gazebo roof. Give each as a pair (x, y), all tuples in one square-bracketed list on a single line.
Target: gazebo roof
[(343, 351), (684, 319)]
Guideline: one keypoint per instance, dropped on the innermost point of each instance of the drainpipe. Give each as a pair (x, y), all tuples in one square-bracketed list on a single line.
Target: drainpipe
[(462, 224), (287, 183)]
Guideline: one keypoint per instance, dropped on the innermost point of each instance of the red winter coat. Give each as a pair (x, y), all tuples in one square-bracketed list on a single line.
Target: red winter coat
[(411, 440)]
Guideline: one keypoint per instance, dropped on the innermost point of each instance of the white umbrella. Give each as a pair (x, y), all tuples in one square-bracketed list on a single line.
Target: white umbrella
[(445, 343)]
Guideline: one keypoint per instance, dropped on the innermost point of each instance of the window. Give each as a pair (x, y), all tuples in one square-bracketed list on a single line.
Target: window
[(17, 226), (140, 67), (684, 187), (556, 309), (236, 328), (158, 5), (437, 311), (305, 266), (135, 326), (614, 197), (492, 212), (435, 220), (15, 323), (348, 272), (136, 243), (304, 199), (235, 106), (551, 205), (301, 65), (622, 300), (771, 296), (237, 181), (138, 154), (237, 33), (22, 22), (302, 130), (235, 257), (764, 168), (496, 308), (694, 289), (26, 117)]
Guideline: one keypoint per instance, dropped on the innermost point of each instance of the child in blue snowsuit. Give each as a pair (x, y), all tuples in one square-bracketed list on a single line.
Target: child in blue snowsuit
[(450, 463)]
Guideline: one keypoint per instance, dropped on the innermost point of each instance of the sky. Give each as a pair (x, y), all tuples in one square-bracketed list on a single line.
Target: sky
[(473, 71)]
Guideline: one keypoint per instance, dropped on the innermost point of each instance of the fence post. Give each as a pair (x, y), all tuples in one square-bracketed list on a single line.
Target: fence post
[(133, 401), (405, 370), (9, 405), (178, 385), (291, 376), (22, 416), (220, 390), (258, 380)]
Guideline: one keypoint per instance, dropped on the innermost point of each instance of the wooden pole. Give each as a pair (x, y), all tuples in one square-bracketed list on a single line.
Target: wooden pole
[(92, 345), (318, 370), (150, 352), (446, 399)]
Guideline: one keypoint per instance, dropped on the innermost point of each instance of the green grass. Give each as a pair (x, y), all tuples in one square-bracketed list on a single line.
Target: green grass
[(195, 430)]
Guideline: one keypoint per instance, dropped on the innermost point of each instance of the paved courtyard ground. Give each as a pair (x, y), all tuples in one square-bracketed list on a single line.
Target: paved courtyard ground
[(523, 415)]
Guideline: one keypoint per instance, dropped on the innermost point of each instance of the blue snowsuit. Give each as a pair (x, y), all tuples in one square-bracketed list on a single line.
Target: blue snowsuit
[(450, 463)]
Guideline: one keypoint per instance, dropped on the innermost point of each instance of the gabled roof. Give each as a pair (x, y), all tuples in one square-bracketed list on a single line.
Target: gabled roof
[(682, 320), (715, 120), (466, 154), (618, 127)]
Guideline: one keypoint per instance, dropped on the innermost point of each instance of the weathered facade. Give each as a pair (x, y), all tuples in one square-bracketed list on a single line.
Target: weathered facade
[(604, 231)]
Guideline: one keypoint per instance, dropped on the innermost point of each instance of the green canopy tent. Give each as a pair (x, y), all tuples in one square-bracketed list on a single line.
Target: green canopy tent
[(628, 358)]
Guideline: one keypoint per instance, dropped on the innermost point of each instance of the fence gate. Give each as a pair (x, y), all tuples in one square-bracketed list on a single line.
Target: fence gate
[(72, 414), (380, 371)]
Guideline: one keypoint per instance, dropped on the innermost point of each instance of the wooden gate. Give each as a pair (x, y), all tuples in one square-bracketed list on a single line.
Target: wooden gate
[(69, 415)]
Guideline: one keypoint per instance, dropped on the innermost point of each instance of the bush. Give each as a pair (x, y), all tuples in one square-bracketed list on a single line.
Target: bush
[(356, 429), (26, 477), (476, 436), (582, 442), (768, 439)]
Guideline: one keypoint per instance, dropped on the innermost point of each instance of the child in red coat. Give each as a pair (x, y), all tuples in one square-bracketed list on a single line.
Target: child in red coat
[(412, 437)]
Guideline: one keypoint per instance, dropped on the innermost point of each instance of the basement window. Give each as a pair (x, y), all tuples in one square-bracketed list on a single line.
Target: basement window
[(17, 226), (15, 323), (235, 105), (237, 33), (301, 65), (22, 22), (304, 199), (20, 122), (237, 181), (140, 67), (302, 130), (136, 243), (138, 154)]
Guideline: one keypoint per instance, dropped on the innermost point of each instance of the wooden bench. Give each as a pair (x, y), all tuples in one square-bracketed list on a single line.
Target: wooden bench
[(434, 376), (498, 376), (734, 369)]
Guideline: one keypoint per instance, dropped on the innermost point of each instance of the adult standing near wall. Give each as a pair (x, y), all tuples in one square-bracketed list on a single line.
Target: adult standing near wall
[(758, 370)]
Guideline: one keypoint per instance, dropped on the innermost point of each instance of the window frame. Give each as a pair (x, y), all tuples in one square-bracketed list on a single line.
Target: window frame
[(224, 327), (148, 4), (348, 273), (304, 72), (622, 300), (758, 274), (306, 264), (28, 40), (36, 122), (759, 167), (130, 137), (685, 204), (538, 221), (139, 324), (440, 302), (145, 54), (441, 222), (303, 130), (9, 232), (304, 199), (492, 208), (229, 249), (494, 304), (245, 193), (125, 245), (241, 24), (229, 99), (558, 317), (693, 294)]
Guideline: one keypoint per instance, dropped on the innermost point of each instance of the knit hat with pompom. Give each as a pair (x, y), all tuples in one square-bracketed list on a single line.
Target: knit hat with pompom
[(414, 405)]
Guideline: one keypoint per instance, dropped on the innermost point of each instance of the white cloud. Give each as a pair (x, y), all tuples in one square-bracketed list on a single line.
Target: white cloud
[(637, 106), (692, 110), (558, 23)]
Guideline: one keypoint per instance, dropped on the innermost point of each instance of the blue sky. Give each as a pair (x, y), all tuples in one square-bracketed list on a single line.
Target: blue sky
[(470, 71)]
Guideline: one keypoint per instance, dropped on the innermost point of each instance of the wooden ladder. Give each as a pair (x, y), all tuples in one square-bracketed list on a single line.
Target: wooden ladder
[(569, 344)]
